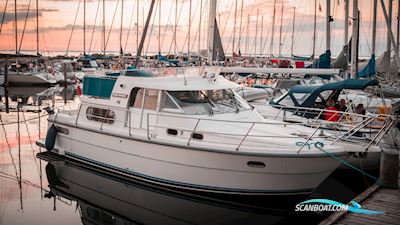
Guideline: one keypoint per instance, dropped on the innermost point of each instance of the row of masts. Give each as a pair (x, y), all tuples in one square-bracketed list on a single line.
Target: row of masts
[(387, 13)]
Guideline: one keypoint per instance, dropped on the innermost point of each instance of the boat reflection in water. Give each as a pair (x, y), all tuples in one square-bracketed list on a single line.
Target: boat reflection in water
[(103, 198)]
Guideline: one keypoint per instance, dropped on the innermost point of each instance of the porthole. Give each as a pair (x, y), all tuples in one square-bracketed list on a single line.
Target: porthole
[(172, 132), (256, 164), (197, 136)]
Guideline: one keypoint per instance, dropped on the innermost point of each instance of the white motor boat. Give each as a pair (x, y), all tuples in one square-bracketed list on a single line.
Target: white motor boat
[(30, 78), (192, 133)]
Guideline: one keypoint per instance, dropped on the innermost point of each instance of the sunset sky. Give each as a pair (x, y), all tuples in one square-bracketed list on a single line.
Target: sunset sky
[(57, 18)]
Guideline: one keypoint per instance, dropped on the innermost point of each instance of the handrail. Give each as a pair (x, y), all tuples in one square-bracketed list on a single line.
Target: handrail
[(308, 139), (355, 126), (195, 127), (237, 148)]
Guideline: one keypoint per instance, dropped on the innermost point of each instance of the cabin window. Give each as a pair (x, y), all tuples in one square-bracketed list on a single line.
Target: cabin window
[(287, 101), (138, 101), (100, 115), (151, 99), (208, 101), (133, 96), (326, 94), (167, 102), (301, 97)]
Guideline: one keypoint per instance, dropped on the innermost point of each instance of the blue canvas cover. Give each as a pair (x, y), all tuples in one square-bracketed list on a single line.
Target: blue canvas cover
[(98, 86), (368, 70)]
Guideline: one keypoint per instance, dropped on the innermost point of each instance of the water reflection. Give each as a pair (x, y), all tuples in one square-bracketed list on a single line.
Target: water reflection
[(107, 199)]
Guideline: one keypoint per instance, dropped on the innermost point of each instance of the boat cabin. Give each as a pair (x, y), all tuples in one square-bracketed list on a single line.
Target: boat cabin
[(134, 100)]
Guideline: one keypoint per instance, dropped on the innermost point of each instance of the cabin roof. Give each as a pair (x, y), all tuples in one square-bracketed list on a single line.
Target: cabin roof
[(354, 84), (179, 83)]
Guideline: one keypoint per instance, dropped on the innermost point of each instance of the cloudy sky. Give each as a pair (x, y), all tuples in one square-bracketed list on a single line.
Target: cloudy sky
[(56, 19)]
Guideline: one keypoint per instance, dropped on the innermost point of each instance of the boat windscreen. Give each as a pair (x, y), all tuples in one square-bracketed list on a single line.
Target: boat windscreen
[(204, 102)]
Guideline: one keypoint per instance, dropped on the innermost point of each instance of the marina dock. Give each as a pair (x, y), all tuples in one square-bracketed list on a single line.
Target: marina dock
[(377, 198)]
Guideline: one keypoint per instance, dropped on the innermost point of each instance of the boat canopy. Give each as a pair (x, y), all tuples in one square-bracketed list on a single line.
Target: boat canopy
[(306, 96)]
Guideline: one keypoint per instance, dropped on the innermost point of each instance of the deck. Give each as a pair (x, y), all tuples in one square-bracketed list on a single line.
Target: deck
[(374, 198)]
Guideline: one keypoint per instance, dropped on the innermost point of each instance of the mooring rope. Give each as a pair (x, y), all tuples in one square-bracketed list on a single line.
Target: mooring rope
[(320, 145)]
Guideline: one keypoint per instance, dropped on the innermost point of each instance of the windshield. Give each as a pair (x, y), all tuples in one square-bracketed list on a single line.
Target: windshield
[(203, 102)]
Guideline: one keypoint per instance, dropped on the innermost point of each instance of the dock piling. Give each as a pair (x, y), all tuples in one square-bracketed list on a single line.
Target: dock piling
[(389, 169), (6, 85)]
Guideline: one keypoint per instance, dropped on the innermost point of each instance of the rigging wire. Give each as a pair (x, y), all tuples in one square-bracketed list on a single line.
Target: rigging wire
[(130, 25), (4, 15), (152, 28), (245, 27), (73, 27), (166, 26), (198, 29), (112, 23), (94, 26), (26, 19), (187, 35), (227, 19), (177, 21)]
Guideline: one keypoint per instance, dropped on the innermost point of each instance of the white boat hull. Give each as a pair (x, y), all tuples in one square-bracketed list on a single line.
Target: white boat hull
[(211, 171), (29, 79)]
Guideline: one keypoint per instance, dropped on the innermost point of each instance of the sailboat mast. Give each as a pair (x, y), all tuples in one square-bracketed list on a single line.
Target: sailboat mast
[(294, 19), (315, 29), (234, 29), (200, 16), (271, 47), (120, 30), (261, 34), (137, 24), (176, 25), (211, 29), (104, 27), (346, 21), (84, 27), (146, 26), (159, 27), (16, 27), (280, 32), (247, 34), (374, 27), (328, 25), (255, 36), (398, 25), (354, 41), (388, 45), (190, 25), (37, 27), (240, 24)]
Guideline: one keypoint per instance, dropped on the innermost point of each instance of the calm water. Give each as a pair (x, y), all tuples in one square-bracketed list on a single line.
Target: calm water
[(34, 191)]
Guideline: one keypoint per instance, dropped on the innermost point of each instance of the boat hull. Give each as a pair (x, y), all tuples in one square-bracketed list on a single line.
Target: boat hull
[(28, 79), (195, 169)]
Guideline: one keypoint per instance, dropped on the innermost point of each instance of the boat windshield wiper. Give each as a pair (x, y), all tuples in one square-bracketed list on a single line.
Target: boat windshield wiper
[(206, 106), (232, 100)]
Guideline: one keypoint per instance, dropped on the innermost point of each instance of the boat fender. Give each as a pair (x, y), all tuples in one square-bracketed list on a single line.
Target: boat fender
[(51, 175), (51, 138)]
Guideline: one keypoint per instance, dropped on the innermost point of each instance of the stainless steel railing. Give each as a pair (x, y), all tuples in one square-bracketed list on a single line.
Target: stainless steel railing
[(151, 127)]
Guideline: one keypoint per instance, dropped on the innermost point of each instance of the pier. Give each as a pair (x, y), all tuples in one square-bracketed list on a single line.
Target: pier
[(376, 198)]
